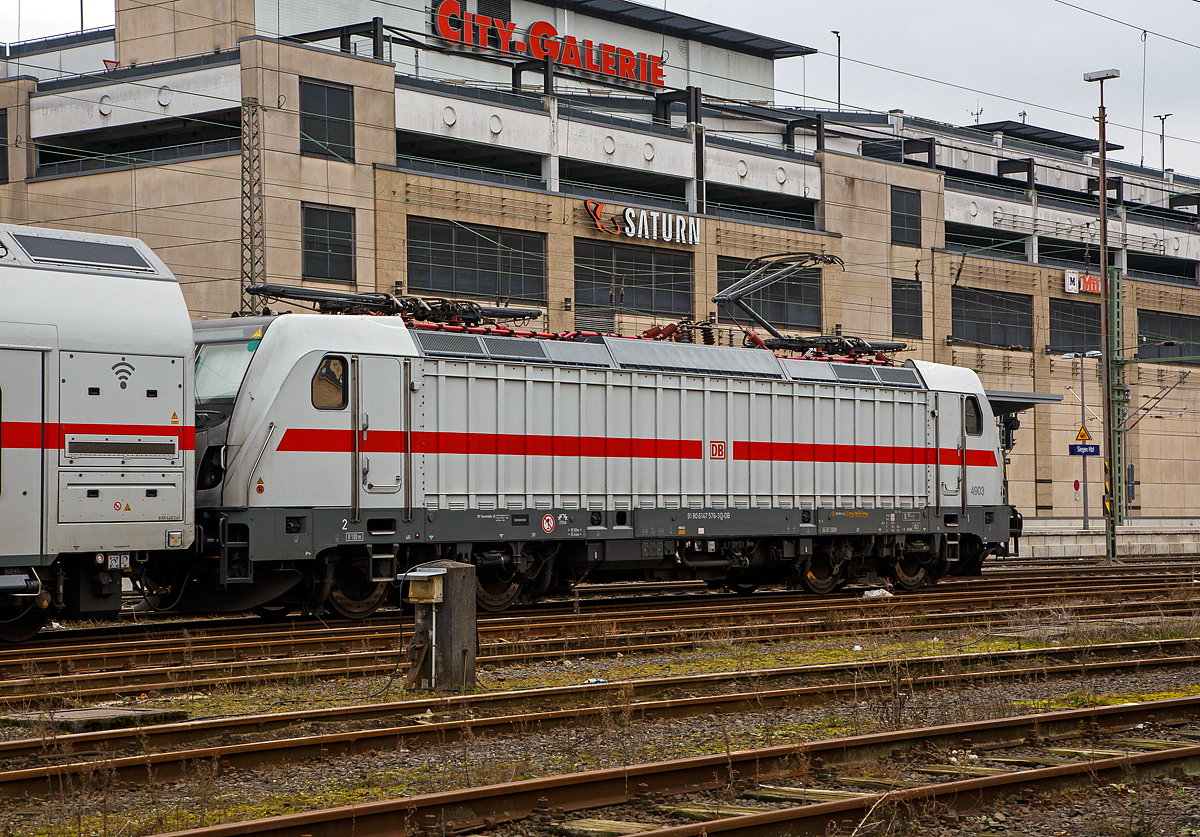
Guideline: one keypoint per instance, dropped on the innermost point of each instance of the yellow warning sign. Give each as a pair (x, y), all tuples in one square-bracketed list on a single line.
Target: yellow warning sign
[(126, 507), (174, 418), (1083, 435), (260, 488)]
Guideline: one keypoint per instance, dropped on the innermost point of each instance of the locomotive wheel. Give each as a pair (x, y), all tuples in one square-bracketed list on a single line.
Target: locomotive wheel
[(742, 588), (909, 573), (354, 595), (18, 624), (821, 577), (496, 590)]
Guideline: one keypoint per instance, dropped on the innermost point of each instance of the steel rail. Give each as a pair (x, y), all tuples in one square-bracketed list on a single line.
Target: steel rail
[(223, 646), (459, 811), (93, 684), (962, 795), (161, 766), (89, 742)]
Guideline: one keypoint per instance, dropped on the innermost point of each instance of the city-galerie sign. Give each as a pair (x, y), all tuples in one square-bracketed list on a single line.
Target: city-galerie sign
[(651, 225), (541, 40)]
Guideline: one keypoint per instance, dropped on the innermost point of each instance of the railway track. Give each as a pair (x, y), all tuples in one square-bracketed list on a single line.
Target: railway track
[(280, 653), (53, 764), (797, 788), (63, 673)]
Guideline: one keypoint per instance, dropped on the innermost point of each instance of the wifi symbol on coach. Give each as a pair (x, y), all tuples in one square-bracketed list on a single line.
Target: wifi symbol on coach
[(123, 370)]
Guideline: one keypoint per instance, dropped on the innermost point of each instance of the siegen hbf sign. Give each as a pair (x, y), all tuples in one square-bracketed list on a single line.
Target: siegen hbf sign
[(647, 224), (454, 24)]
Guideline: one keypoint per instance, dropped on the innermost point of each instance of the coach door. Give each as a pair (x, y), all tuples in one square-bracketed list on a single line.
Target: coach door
[(379, 442), (949, 469), (22, 443)]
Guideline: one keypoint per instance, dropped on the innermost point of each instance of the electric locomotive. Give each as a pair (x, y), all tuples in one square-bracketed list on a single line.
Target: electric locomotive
[(96, 424), (336, 451)]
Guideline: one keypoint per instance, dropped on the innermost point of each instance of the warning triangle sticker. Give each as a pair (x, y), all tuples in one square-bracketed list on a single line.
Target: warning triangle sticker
[(126, 507), (1083, 435), (174, 418)]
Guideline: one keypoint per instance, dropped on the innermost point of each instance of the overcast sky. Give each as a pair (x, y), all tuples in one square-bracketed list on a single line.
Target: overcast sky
[(939, 59)]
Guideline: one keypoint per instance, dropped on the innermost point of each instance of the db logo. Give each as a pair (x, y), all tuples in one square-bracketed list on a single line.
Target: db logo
[(548, 524), (716, 450)]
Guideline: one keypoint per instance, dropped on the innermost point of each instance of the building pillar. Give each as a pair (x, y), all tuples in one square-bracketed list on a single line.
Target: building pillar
[(550, 161), (1042, 421), (1031, 243)]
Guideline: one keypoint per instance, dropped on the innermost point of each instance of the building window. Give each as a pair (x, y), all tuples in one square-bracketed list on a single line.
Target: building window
[(3, 145), (473, 260), (1158, 327), (636, 280), (326, 120), (906, 216), (992, 318), (793, 303), (1074, 326), (906, 308), (328, 242)]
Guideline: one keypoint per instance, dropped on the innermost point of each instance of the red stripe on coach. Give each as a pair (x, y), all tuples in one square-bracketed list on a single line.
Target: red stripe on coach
[(29, 434)]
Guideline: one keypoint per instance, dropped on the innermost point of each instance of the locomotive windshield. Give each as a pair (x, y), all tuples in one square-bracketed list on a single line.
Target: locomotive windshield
[(220, 368)]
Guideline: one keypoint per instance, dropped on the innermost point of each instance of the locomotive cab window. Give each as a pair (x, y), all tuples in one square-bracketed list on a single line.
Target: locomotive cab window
[(974, 421), (329, 384)]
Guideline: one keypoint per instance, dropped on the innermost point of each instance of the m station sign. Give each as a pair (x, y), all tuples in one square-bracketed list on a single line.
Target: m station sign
[(541, 40), (1075, 282)]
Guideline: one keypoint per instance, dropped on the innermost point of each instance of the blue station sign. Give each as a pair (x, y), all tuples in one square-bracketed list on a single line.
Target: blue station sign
[(1085, 450)]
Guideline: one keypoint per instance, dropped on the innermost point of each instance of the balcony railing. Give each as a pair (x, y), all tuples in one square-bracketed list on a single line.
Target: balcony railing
[(148, 157)]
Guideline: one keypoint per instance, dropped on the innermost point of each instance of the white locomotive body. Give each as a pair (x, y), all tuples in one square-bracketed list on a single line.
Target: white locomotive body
[(96, 422), (338, 450)]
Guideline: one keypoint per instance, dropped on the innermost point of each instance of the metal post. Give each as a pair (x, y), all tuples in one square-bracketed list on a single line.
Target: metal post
[(1083, 423), (839, 37), (1162, 138), (253, 247), (1110, 320)]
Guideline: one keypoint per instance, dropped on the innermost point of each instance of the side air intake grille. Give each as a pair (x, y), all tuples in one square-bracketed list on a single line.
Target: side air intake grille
[(454, 345), (516, 348)]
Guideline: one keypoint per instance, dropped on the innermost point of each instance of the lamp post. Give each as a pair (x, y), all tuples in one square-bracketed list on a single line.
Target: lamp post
[(1162, 138), (839, 37), (1082, 422), (1109, 345)]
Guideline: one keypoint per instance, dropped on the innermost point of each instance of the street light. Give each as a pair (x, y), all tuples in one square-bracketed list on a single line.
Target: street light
[(1082, 422), (1106, 315), (839, 37), (1162, 138)]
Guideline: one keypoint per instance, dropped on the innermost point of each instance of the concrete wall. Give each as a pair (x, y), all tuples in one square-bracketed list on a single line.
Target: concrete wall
[(160, 30)]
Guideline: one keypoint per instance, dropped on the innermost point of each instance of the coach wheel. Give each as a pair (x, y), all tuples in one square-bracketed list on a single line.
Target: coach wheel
[(353, 594), (496, 589), (909, 573), (20, 623), (821, 576), (274, 611)]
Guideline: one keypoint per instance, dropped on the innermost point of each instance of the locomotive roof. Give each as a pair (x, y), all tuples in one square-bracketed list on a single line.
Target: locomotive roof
[(63, 250), (388, 335), (89, 292)]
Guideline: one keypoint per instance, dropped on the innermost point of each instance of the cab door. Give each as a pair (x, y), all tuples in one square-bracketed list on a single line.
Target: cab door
[(379, 437), (950, 467), (22, 447)]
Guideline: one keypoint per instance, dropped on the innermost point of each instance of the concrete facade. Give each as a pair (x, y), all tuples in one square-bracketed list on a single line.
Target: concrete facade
[(440, 134)]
